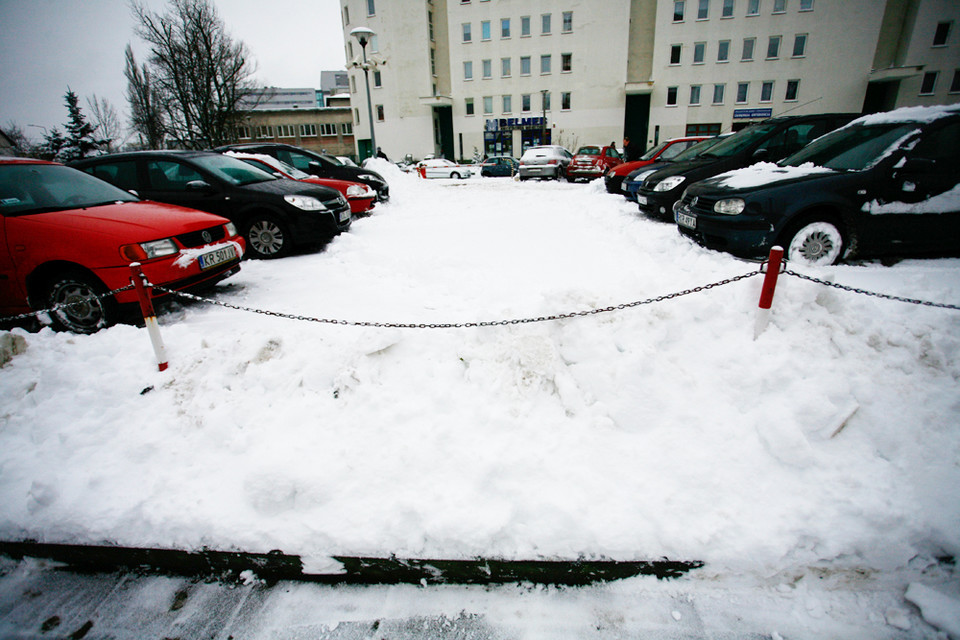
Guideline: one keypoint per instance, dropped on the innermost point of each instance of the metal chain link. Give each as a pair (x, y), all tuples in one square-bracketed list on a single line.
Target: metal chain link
[(462, 325), (925, 303), (64, 305)]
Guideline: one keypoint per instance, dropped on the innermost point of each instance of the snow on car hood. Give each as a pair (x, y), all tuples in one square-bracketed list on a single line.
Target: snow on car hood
[(763, 173)]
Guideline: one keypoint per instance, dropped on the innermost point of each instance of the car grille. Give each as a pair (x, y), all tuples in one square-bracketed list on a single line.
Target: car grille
[(200, 238), (699, 204)]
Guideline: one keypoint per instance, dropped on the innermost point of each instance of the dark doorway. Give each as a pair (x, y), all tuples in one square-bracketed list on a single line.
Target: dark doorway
[(443, 132), (636, 118)]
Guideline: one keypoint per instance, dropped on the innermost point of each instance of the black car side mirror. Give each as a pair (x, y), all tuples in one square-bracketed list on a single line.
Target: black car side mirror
[(760, 154), (199, 185)]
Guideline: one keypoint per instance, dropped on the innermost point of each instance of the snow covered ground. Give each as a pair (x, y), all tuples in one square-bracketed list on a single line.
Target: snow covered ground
[(814, 470)]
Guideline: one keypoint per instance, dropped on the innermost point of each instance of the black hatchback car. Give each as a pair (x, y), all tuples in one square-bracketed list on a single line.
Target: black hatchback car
[(316, 164), (770, 141), (273, 214), (886, 184)]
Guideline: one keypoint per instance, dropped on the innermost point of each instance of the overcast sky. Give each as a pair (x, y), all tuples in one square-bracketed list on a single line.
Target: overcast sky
[(49, 45)]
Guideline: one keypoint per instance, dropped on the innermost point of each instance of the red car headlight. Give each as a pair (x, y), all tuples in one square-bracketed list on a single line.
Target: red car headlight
[(149, 250)]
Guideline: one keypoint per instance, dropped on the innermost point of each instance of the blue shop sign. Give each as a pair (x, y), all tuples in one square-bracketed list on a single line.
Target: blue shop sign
[(752, 113), (509, 124)]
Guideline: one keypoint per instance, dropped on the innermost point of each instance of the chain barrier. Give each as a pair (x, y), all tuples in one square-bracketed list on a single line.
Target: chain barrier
[(925, 303), (65, 305), (463, 325)]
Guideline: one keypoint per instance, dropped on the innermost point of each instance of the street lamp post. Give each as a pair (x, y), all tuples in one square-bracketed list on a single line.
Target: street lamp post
[(543, 105), (363, 35)]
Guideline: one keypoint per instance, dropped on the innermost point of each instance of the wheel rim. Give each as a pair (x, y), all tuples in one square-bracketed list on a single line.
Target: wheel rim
[(85, 312), (266, 237), (816, 243)]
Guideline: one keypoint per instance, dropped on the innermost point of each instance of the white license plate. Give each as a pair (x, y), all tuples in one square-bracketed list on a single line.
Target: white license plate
[(345, 214), (641, 199), (213, 258), (688, 221)]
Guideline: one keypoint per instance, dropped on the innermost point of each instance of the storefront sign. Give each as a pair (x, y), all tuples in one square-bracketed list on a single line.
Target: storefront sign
[(511, 124), (752, 113)]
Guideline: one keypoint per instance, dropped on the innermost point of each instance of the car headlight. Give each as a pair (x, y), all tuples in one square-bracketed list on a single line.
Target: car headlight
[(370, 176), (307, 203), (231, 229), (669, 184), (643, 175), (148, 250), (360, 191), (730, 206)]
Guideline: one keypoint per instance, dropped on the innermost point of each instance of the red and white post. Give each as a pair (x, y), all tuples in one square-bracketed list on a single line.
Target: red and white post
[(769, 287), (141, 284)]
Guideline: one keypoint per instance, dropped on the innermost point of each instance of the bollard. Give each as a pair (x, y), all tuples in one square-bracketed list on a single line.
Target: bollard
[(766, 294), (140, 283)]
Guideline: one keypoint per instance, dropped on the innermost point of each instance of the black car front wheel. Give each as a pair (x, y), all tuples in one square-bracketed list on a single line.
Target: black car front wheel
[(267, 237), (83, 308), (817, 242)]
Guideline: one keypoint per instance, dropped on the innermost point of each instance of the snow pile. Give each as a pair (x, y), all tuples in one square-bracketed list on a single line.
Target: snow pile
[(661, 430), (764, 173)]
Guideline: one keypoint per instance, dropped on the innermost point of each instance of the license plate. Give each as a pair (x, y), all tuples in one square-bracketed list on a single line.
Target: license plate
[(344, 215), (213, 258), (641, 199), (688, 221)]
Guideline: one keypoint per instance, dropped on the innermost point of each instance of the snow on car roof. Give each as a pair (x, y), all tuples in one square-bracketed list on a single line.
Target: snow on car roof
[(909, 114)]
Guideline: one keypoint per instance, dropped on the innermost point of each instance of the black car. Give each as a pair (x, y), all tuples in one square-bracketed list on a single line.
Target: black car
[(316, 164), (499, 166), (272, 214), (886, 184), (770, 141)]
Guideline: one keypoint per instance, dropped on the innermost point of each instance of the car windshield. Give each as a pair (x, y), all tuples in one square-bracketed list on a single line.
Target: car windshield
[(740, 140), (265, 164), (589, 151), (695, 150), (236, 172), (38, 188), (333, 160), (652, 153), (852, 148)]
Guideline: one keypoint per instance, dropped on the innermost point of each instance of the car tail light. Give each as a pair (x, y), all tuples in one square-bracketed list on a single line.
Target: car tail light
[(552, 161)]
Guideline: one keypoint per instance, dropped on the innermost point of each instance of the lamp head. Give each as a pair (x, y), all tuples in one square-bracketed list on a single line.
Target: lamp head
[(363, 35)]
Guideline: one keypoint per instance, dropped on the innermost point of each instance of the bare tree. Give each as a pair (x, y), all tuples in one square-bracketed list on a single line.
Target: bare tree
[(201, 74), (106, 122), (146, 114), (21, 143)]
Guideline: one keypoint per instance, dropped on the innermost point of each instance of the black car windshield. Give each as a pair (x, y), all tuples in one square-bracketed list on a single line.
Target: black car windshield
[(739, 141), (333, 160), (852, 148), (38, 188), (234, 171), (694, 150)]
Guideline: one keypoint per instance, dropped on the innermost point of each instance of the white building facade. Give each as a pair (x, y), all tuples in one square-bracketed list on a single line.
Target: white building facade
[(461, 78)]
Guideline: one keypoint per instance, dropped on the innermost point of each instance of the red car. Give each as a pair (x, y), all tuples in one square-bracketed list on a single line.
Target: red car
[(68, 238), (360, 196), (663, 151), (591, 161)]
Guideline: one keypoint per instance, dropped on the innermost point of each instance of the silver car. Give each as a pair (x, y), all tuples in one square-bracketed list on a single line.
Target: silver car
[(548, 161)]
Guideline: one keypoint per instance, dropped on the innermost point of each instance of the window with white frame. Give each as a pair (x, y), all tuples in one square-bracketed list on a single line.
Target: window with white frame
[(468, 69), (718, 93), (243, 133), (942, 34), (800, 45), (928, 86), (488, 105), (566, 62), (380, 113), (672, 96), (568, 21), (545, 64), (505, 70), (545, 25), (723, 51), (699, 52), (524, 65), (727, 11), (525, 102), (508, 104), (675, 50), (565, 99), (346, 128), (773, 47), (371, 7), (955, 84), (377, 79), (310, 130), (766, 91), (467, 32), (327, 129), (743, 91), (487, 69), (703, 10), (505, 27), (806, 5), (753, 7), (748, 45), (468, 106), (524, 26), (286, 131), (695, 94), (779, 6), (485, 30), (346, 16), (678, 9), (793, 91)]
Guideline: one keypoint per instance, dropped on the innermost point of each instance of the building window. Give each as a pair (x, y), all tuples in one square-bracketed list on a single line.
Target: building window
[(468, 106), (374, 44), (743, 89), (955, 85), (346, 128), (430, 24), (346, 16), (779, 6), (524, 65), (505, 27), (566, 62), (753, 7), (699, 51), (525, 103), (545, 101), (377, 79), (671, 96), (806, 5), (326, 129), (568, 21), (468, 70), (929, 84), (264, 131), (508, 104), (727, 9), (703, 10), (488, 105), (942, 34), (694, 94), (504, 67), (773, 47), (748, 44), (353, 85), (800, 45), (467, 32), (380, 112), (675, 50), (485, 30), (524, 26), (678, 10), (565, 101), (371, 7), (545, 24), (286, 131), (356, 116), (712, 129), (718, 93), (544, 64), (793, 90), (243, 133), (433, 62), (723, 51), (766, 91), (487, 69)]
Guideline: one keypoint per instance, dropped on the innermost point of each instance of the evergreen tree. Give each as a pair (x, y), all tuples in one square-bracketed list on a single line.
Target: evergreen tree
[(80, 141), (52, 144)]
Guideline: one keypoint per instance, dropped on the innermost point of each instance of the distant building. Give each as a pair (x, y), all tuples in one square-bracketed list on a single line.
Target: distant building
[(277, 98), (501, 75)]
